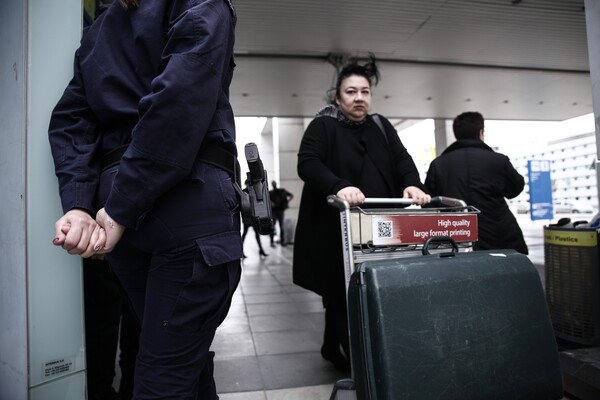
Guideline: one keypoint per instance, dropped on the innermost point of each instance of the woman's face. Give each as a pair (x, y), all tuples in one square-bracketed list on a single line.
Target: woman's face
[(355, 97)]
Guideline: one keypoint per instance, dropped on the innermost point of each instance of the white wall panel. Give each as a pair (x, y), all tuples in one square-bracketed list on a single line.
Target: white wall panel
[(55, 297), (13, 343)]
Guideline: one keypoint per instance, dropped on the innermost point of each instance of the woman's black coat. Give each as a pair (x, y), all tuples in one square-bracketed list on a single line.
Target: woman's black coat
[(470, 170), (334, 155)]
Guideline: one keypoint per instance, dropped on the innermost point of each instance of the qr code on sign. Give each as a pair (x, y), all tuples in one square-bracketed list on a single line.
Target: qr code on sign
[(384, 229)]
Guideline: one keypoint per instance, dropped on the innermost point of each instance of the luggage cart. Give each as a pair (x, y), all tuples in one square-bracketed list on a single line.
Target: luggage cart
[(392, 231), (382, 233)]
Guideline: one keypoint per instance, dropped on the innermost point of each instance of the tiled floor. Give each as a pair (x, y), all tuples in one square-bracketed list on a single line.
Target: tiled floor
[(268, 348)]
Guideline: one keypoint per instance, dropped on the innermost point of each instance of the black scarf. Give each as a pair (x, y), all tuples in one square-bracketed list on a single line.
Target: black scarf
[(331, 110)]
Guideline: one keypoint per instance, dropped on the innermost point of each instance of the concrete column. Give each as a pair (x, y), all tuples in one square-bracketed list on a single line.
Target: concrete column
[(443, 135), (268, 150), (289, 133), (592, 19)]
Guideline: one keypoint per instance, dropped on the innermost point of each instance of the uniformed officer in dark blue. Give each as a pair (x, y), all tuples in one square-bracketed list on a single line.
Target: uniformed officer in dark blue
[(143, 139)]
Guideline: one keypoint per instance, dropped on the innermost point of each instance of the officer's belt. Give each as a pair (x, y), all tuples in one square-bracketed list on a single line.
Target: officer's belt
[(209, 153)]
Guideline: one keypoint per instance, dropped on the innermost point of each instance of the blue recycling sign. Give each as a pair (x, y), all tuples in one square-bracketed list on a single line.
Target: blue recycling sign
[(540, 189)]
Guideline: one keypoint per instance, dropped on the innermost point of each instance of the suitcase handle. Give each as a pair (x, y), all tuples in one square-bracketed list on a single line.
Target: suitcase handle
[(440, 239)]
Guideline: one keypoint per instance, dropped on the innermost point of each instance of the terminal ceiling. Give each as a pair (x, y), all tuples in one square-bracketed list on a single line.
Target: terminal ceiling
[(509, 59)]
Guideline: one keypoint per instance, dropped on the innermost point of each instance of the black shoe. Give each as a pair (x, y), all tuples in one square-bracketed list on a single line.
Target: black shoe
[(272, 244), (263, 254), (337, 358)]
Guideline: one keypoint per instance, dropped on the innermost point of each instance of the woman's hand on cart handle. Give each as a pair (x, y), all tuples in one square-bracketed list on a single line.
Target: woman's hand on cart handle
[(417, 195), (353, 195)]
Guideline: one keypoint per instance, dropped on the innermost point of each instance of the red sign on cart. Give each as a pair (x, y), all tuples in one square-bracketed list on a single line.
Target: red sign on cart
[(415, 229)]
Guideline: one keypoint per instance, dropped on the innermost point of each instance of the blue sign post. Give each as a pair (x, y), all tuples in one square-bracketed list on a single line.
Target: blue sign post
[(540, 189)]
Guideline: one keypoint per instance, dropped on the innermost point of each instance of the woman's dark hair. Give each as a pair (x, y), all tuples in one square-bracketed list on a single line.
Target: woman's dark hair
[(368, 70), (127, 3), (468, 125)]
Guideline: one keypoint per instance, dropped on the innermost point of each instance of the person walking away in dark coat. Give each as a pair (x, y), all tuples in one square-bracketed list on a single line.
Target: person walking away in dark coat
[(344, 152), (470, 170), (280, 199), (134, 138)]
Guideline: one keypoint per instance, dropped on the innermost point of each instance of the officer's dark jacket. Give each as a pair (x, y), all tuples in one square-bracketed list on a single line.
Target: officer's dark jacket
[(472, 171), (157, 75)]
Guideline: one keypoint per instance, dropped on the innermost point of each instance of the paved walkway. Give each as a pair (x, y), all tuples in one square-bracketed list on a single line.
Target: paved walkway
[(268, 348)]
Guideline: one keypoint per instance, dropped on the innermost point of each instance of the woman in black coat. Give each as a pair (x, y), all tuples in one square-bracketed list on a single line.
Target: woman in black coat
[(470, 170), (344, 152)]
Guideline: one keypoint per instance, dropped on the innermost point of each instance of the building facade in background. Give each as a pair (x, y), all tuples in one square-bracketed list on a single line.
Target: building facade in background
[(573, 171)]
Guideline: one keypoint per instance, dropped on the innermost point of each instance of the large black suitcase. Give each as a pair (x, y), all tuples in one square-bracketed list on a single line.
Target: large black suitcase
[(452, 325)]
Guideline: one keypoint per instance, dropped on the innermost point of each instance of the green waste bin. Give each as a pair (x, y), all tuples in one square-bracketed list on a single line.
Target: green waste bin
[(572, 283)]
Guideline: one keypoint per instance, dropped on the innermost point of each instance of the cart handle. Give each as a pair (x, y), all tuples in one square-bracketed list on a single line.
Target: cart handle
[(436, 201), (444, 201)]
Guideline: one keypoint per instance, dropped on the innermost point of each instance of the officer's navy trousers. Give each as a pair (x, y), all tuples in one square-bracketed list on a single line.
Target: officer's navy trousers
[(180, 268)]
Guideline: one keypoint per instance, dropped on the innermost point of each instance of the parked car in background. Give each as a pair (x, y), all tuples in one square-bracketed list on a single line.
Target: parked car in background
[(572, 208)]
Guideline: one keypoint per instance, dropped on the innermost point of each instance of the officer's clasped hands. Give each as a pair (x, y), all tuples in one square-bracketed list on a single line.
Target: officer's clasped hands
[(114, 231), (78, 233)]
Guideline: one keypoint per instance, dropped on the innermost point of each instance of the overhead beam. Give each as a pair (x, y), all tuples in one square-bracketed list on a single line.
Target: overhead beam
[(327, 57)]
